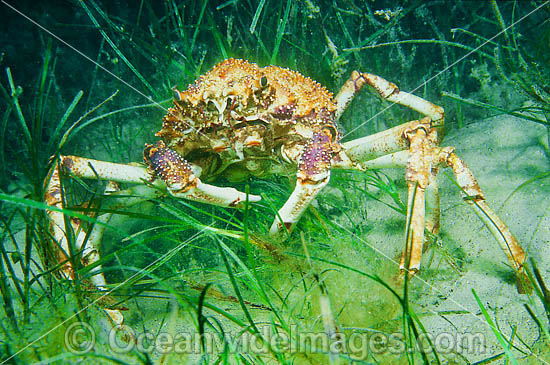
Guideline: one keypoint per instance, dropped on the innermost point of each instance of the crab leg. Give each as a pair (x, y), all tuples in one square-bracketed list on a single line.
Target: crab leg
[(423, 197), (181, 182), (418, 176), (473, 195), (387, 149), (432, 204), (168, 164), (88, 168), (92, 169), (89, 254), (363, 150), (388, 91), (305, 191), (383, 149), (313, 174), (422, 162)]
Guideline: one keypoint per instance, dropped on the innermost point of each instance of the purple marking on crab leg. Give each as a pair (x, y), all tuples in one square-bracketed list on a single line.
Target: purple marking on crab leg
[(170, 167), (316, 156)]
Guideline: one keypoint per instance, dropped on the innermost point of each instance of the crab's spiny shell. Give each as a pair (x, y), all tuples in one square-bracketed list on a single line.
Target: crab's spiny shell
[(238, 107)]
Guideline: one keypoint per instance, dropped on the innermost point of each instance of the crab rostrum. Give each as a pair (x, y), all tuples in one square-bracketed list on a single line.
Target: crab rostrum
[(240, 119)]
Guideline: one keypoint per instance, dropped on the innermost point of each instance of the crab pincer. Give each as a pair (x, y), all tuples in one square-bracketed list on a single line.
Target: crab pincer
[(181, 182), (313, 174)]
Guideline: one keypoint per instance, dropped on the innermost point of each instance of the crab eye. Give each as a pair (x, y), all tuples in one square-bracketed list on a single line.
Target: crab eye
[(177, 95), (263, 81)]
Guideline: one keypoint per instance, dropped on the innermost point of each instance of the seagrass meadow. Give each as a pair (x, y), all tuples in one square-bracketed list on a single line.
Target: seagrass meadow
[(189, 282)]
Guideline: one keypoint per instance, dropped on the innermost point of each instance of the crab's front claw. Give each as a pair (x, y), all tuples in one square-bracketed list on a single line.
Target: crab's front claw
[(313, 174), (181, 182), (305, 191)]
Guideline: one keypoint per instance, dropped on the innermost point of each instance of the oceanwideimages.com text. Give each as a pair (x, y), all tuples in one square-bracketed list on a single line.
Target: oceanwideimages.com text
[(80, 338)]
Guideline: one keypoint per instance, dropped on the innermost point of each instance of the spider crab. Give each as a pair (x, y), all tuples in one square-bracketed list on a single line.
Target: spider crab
[(240, 119)]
